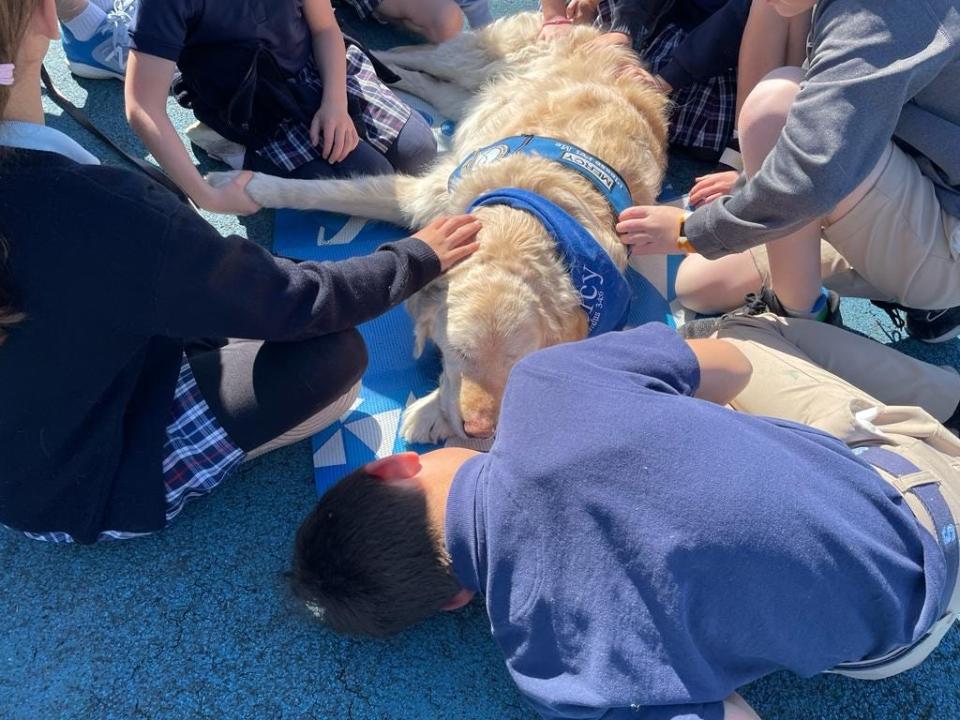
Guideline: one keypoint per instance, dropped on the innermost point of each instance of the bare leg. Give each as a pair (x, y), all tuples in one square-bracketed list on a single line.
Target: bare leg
[(715, 286), (795, 263), (769, 41), (794, 259), (436, 20)]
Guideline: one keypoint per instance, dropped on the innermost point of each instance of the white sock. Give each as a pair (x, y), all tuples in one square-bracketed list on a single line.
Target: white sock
[(86, 24)]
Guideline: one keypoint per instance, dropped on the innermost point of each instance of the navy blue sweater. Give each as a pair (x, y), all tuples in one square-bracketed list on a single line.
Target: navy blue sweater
[(112, 272), (643, 553)]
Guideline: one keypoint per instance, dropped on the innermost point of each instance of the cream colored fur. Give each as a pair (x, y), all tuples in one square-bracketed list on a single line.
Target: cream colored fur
[(513, 296)]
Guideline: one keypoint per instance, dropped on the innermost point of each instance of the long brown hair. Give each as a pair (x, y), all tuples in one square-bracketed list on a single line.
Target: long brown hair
[(14, 18)]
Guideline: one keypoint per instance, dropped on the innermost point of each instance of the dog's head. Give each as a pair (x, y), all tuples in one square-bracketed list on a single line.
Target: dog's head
[(512, 298)]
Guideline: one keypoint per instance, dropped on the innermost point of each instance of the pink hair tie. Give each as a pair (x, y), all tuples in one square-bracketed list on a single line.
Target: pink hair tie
[(6, 74)]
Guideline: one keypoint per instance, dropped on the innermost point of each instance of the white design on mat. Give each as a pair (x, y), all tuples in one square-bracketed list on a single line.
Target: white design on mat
[(347, 234), (332, 453), (378, 432)]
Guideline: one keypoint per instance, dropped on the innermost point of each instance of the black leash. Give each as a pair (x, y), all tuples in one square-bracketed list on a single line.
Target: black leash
[(152, 171)]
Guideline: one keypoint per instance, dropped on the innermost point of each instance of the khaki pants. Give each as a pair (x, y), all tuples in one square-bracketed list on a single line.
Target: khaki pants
[(865, 394), (896, 244)]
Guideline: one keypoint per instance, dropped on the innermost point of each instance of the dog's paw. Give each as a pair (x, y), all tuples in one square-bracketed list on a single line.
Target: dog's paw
[(219, 179), (424, 421)]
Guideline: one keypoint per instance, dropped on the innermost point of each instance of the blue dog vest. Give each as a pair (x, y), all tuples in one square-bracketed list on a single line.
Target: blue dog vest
[(604, 292), (604, 178)]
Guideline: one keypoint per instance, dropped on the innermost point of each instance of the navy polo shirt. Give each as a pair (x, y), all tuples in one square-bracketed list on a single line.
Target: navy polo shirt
[(167, 28), (644, 553)]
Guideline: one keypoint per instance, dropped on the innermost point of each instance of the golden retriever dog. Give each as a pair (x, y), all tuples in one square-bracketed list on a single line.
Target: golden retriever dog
[(514, 296)]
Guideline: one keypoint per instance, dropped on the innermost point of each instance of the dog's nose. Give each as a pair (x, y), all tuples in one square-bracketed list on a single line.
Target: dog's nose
[(477, 429)]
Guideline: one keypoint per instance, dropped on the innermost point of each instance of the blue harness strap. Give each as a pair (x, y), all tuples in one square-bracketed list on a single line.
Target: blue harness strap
[(604, 292), (946, 533), (603, 177)]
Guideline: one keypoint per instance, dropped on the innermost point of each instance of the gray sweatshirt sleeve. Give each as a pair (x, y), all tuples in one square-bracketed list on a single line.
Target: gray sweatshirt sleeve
[(867, 61)]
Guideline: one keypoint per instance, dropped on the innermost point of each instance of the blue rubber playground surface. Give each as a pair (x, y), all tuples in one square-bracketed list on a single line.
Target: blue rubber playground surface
[(196, 622)]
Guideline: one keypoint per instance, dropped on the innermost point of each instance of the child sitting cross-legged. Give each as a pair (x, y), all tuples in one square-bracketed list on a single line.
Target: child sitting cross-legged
[(276, 78), (121, 395)]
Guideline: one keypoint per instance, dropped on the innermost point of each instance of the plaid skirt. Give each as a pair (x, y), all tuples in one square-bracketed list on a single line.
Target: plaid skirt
[(703, 114), (197, 455), (377, 112)]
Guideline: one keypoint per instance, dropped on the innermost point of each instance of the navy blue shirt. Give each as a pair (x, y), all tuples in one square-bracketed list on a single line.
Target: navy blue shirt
[(644, 553), (166, 28)]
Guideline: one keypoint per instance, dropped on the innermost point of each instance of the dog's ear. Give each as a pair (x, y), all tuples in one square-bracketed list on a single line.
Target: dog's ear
[(423, 308)]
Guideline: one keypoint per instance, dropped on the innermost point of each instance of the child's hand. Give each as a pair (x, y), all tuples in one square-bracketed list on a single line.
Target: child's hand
[(582, 11), (229, 199), (335, 126), (452, 238), (650, 229), (712, 186)]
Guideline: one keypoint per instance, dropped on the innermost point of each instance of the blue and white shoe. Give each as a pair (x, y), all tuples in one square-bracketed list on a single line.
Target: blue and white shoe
[(104, 55)]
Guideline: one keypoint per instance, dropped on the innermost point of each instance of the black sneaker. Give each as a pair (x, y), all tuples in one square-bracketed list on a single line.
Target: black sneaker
[(929, 326), (757, 304)]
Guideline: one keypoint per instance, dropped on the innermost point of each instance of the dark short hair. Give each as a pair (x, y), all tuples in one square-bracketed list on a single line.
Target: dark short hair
[(366, 560)]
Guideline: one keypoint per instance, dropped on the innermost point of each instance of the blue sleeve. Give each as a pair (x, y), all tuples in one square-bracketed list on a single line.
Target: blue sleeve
[(653, 356), (162, 27), (710, 48)]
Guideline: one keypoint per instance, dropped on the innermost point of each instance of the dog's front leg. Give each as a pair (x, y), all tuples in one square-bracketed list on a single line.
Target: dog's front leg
[(379, 197)]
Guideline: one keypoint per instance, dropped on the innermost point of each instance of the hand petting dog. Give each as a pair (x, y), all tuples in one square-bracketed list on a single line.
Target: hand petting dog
[(651, 229)]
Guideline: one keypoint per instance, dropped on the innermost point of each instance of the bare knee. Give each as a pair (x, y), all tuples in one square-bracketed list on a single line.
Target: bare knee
[(712, 286), (444, 25), (437, 20), (765, 111)]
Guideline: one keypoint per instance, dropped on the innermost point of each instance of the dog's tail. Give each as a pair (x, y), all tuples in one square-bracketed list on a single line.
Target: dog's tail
[(378, 197)]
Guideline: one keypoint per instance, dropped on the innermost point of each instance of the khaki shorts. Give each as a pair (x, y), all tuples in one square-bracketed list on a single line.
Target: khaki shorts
[(896, 244), (853, 388)]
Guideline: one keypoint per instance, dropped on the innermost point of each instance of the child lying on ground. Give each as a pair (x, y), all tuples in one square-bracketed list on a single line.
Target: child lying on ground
[(642, 550)]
